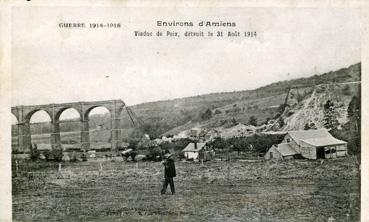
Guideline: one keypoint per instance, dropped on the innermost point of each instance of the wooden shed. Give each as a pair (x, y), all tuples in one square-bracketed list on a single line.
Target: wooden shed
[(191, 152), (281, 152), (315, 144)]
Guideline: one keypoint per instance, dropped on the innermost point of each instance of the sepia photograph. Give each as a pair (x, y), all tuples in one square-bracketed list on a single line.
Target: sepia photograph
[(185, 113)]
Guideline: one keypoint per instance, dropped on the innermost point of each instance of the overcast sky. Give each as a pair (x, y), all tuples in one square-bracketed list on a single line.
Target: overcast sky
[(54, 65)]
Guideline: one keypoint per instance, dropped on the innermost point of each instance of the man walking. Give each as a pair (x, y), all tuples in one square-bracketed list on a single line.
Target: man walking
[(169, 173)]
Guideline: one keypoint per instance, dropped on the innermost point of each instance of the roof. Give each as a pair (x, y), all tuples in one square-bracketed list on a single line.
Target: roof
[(319, 137), (308, 134), (325, 141), (286, 150), (191, 147)]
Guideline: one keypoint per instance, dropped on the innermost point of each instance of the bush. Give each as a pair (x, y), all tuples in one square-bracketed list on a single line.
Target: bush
[(155, 154), (73, 157), (267, 120), (55, 154), (351, 135), (253, 121), (346, 90), (256, 143), (206, 115), (34, 152), (176, 146)]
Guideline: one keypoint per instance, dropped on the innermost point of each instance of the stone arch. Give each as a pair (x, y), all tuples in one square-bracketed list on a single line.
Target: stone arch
[(60, 112), (85, 135), (45, 141), (29, 115), (58, 129), (88, 110)]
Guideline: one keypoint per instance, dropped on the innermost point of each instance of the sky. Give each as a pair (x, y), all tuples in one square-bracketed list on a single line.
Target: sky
[(56, 65)]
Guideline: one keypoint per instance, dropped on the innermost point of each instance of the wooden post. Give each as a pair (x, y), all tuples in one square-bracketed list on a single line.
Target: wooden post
[(16, 167), (229, 172), (60, 175), (100, 169)]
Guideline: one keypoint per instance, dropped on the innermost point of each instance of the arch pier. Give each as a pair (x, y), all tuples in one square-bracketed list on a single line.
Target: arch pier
[(24, 114)]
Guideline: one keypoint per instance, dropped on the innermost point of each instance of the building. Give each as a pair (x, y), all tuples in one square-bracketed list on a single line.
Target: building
[(310, 144), (281, 152), (195, 132), (239, 130), (192, 150)]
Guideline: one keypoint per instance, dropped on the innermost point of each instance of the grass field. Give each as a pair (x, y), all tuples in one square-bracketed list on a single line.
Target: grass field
[(296, 190)]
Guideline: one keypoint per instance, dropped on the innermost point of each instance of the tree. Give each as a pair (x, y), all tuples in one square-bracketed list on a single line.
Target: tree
[(280, 122), (346, 90), (253, 121), (351, 130), (354, 112), (234, 121), (309, 125), (299, 97), (267, 120), (34, 152), (330, 115), (206, 115)]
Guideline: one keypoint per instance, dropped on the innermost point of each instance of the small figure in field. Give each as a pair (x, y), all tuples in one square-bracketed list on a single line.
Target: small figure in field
[(169, 173)]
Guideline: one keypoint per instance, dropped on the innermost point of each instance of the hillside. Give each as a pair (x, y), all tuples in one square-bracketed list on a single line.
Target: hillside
[(310, 109), (305, 101)]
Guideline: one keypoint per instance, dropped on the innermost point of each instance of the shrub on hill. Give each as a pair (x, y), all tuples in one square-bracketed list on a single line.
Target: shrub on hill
[(206, 115), (253, 121)]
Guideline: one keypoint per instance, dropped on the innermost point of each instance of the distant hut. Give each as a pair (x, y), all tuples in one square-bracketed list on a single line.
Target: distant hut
[(281, 152), (192, 150), (195, 132)]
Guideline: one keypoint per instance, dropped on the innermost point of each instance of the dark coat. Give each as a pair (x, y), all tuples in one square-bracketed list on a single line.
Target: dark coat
[(169, 168)]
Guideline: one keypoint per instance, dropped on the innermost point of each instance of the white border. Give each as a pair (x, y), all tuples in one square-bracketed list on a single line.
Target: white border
[(362, 7)]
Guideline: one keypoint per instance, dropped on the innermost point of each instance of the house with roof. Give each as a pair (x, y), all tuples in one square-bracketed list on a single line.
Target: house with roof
[(192, 150), (238, 130), (281, 152), (310, 144)]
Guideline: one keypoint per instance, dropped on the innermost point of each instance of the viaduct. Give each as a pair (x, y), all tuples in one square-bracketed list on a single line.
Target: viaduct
[(24, 114)]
